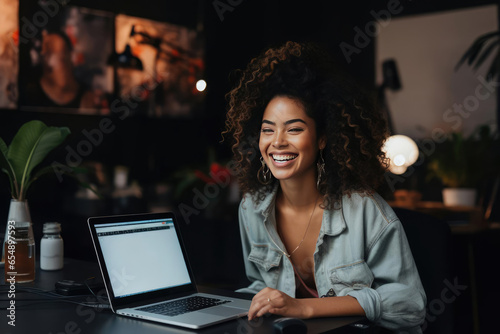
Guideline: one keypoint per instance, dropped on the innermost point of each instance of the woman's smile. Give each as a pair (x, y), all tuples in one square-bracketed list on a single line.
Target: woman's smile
[(283, 159)]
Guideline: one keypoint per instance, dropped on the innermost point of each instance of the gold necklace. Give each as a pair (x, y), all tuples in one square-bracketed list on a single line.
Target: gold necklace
[(305, 233)]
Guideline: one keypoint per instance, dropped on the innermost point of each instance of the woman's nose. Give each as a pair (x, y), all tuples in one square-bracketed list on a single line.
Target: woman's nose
[(279, 140)]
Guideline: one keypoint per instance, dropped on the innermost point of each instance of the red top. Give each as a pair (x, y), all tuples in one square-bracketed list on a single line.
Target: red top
[(303, 289)]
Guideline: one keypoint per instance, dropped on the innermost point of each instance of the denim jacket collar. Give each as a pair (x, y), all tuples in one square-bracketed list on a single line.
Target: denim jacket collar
[(266, 206), (331, 226)]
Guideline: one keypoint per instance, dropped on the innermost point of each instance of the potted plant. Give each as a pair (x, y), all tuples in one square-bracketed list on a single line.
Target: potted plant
[(461, 163), (29, 147), (207, 187), (480, 51)]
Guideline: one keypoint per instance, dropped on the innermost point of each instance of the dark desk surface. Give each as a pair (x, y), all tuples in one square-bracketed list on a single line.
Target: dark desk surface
[(35, 315)]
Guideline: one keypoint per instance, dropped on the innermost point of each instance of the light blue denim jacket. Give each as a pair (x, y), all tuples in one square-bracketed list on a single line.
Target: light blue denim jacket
[(362, 251)]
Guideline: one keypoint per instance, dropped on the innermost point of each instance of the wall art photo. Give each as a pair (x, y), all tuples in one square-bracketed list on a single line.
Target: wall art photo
[(64, 63), (158, 65), (9, 48)]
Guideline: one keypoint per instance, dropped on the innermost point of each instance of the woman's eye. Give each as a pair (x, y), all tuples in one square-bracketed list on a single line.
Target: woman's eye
[(296, 130), (266, 130)]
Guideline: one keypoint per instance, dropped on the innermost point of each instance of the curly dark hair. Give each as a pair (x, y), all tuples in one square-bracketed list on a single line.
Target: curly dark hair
[(354, 128)]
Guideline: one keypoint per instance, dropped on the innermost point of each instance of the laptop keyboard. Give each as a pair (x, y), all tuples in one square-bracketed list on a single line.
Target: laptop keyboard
[(181, 306)]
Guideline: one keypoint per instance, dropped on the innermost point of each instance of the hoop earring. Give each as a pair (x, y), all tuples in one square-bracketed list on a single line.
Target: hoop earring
[(264, 173), (321, 168)]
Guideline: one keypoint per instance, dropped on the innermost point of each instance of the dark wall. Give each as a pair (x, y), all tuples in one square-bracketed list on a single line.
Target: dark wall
[(234, 34)]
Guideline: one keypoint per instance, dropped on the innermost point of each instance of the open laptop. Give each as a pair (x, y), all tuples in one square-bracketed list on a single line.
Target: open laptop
[(147, 274)]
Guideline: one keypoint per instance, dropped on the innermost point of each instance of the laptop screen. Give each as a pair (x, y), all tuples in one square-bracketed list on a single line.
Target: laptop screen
[(142, 256)]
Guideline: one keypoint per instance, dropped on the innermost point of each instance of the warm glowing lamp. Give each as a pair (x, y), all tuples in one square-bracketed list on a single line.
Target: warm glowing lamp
[(401, 151), (201, 85)]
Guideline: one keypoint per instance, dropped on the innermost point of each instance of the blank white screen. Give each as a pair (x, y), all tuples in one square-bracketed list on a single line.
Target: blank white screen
[(142, 261)]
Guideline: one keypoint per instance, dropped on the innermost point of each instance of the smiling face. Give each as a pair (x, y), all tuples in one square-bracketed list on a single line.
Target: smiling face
[(288, 140)]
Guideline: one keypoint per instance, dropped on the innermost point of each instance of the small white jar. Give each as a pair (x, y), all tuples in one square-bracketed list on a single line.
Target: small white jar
[(51, 247)]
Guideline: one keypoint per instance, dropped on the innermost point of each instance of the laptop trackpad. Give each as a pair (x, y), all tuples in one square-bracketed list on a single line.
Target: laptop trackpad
[(222, 311)]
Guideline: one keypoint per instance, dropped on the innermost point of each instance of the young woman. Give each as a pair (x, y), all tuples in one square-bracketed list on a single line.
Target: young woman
[(317, 239)]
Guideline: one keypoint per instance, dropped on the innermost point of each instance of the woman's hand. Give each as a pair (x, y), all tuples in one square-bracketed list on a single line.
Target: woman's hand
[(273, 301)]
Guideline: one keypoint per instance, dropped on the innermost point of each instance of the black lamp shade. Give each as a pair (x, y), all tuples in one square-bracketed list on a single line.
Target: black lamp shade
[(390, 75)]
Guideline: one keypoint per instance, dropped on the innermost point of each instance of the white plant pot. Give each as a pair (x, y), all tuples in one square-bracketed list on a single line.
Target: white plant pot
[(459, 196), (18, 211)]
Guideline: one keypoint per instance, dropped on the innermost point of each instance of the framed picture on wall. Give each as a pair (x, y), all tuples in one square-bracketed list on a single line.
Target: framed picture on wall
[(158, 64), (9, 46), (64, 63)]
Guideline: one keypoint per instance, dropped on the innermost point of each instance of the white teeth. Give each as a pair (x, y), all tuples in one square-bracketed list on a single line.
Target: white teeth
[(281, 158)]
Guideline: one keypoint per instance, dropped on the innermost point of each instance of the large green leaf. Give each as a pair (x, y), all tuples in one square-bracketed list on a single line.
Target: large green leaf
[(6, 167), (4, 163), (31, 144)]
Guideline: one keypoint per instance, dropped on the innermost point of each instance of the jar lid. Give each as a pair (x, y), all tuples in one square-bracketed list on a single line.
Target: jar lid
[(51, 227)]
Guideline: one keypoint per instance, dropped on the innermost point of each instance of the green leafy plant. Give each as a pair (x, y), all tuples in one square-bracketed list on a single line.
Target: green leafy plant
[(462, 162), (29, 147)]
